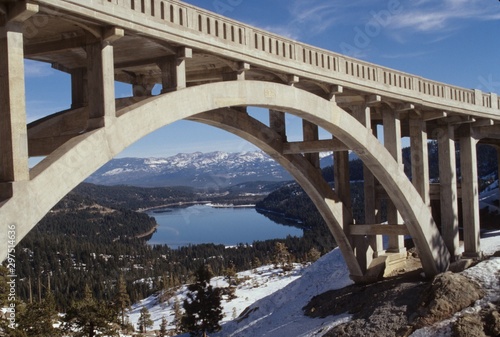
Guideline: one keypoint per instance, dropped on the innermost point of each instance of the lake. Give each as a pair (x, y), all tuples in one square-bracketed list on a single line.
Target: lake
[(205, 224)]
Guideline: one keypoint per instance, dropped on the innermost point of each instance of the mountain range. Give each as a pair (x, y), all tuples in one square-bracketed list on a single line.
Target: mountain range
[(201, 170)]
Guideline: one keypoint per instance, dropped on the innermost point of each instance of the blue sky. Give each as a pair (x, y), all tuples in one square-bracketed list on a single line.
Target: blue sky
[(451, 41)]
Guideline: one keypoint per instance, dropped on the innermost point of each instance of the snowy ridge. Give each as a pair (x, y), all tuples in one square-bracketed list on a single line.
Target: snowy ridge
[(191, 169), (275, 300)]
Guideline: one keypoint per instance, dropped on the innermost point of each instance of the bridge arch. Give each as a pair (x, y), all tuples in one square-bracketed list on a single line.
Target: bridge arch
[(72, 162)]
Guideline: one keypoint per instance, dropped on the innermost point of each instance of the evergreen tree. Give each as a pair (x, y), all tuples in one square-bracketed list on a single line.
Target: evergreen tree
[(89, 317), (281, 256), (163, 327), (313, 255), (39, 317), (145, 320), (121, 300), (203, 310), (177, 317)]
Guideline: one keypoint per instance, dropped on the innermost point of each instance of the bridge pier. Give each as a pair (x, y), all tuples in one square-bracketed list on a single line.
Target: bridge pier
[(13, 131), (392, 142), (470, 193), (367, 247), (448, 195), (101, 80), (419, 157), (79, 88)]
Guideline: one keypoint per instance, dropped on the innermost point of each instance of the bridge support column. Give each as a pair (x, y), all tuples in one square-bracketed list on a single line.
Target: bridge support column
[(101, 83), (470, 194), (448, 189), (310, 133), (372, 246), (79, 86), (173, 70), (419, 157), (277, 123), (392, 142), (13, 130)]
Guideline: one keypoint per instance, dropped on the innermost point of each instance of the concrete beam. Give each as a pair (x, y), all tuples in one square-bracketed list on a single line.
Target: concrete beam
[(315, 146), (22, 11), (378, 229), (49, 47)]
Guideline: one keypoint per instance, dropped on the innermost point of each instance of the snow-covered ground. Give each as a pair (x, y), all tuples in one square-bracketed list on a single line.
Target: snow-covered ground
[(276, 299)]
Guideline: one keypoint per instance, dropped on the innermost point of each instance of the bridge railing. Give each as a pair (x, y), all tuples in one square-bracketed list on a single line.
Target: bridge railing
[(324, 62)]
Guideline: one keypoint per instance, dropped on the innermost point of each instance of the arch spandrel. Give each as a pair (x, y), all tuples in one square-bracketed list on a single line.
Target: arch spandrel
[(81, 156)]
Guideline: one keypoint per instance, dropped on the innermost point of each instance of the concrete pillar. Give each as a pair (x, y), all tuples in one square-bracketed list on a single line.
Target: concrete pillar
[(448, 188), (277, 123), (420, 157), (100, 84), (342, 177), (173, 70), (79, 93), (13, 130), (470, 194), (372, 246), (392, 142), (372, 206), (311, 133)]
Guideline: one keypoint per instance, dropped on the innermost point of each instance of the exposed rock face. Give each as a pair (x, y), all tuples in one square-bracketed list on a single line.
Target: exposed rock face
[(447, 294), (399, 306)]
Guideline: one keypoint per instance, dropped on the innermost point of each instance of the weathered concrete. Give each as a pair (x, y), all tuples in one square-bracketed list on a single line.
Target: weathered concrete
[(70, 164)]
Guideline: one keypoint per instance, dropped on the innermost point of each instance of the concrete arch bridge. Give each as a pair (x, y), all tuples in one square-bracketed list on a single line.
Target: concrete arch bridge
[(211, 69)]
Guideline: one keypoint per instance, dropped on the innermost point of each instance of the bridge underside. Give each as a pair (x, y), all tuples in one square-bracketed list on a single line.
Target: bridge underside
[(207, 86)]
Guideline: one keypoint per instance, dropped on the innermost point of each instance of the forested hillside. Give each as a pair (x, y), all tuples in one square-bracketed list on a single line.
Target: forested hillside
[(291, 201), (92, 237)]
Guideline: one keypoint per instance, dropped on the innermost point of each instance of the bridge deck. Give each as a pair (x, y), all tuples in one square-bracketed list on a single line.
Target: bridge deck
[(154, 30)]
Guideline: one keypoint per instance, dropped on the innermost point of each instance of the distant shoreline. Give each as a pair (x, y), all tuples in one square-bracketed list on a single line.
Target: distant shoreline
[(191, 203), (180, 203), (149, 232)]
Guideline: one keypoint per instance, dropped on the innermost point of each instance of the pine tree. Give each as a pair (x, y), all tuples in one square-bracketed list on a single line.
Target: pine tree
[(39, 317), (177, 317), (89, 317), (203, 310), (281, 256), (121, 299), (145, 320), (163, 327), (313, 255)]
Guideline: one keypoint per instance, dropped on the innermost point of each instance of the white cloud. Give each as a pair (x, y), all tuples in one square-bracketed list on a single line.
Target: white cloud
[(436, 16)]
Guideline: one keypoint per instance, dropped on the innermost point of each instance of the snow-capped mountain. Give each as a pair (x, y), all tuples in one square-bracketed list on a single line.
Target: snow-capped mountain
[(201, 170)]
